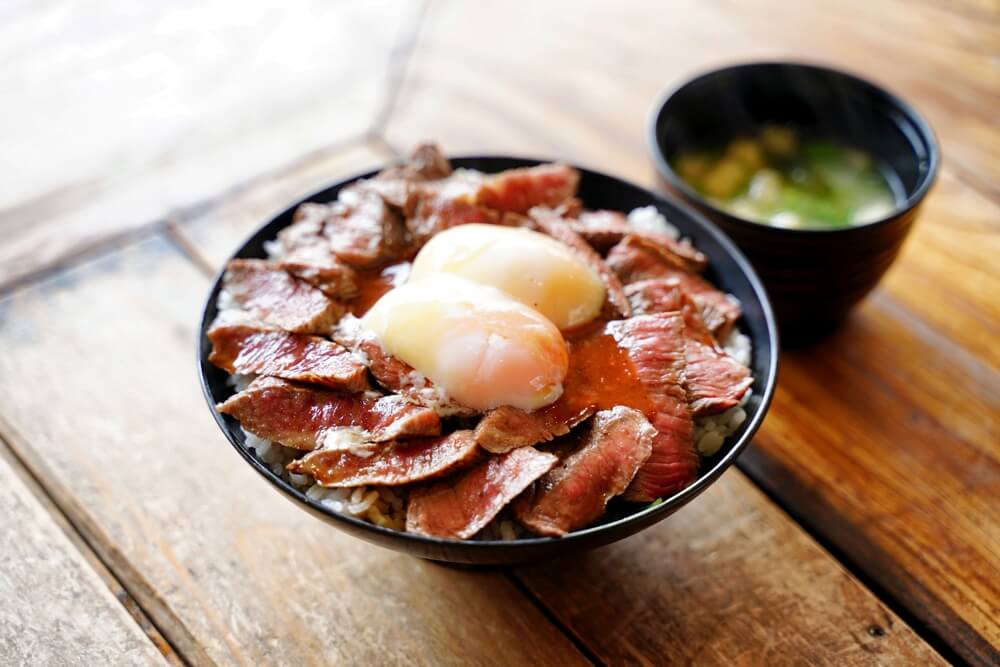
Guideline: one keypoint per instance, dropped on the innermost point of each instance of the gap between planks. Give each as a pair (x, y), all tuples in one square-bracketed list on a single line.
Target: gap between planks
[(90, 556), (755, 472)]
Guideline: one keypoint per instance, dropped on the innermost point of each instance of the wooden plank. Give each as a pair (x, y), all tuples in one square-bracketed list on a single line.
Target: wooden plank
[(56, 610), (897, 463), (844, 619), (230, 572), (729, 580), (923, 349), (143, 111), (947, 272), (584, 75), (114, 586), (216, 234)]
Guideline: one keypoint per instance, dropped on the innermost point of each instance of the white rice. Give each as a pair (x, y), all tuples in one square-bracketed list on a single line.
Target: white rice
[(386, 506), (381, 505), (712, 431), (649, 219)]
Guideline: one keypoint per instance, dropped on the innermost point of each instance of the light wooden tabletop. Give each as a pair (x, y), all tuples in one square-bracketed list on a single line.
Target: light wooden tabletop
[(141, 142)]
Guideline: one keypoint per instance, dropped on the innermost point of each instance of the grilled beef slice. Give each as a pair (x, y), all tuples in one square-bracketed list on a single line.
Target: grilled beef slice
[(302, 417), (519, 190), (505, 428), (390, 463), (461, 506), (273, 296), (574, 493), (656, 346), (634, 260), (603, 229), (255, 350), (713, 380)]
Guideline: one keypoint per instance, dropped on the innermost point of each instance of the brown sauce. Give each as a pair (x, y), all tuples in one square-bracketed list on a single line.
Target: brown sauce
[(601, 375), (372, 286)]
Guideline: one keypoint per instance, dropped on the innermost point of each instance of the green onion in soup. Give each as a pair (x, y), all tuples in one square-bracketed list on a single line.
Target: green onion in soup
[(778, 179)]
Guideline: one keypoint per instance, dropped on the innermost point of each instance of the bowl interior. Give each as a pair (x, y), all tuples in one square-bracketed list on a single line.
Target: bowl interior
[(728, 269), (735, 101)]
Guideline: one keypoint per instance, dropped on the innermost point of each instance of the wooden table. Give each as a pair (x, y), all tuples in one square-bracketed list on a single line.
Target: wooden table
[(142, 141)]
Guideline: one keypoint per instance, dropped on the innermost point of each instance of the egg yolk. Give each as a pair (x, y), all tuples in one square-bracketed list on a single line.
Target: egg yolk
[(482, 347), (531, 267)]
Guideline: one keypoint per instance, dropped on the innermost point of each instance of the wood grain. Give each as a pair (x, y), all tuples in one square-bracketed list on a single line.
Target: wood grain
[(56, 610), (897, 463), (584, 75), (230, 572), (216, 234), (727, 581), (139, 113), (779, 550), (924, 351)]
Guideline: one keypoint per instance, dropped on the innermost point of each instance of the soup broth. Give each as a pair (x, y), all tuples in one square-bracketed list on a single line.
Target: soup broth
[(781, 179)]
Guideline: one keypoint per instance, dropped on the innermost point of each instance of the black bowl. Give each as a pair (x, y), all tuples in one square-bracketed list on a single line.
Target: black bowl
[(728, 269), (813, 276)]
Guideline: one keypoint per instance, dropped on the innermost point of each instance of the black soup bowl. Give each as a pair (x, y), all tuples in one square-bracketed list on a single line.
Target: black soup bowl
[(813, 276), (728, 269)]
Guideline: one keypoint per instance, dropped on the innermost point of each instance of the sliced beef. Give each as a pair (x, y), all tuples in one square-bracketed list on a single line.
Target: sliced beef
[(253, 350), (398, 185), (603, 229), (574, 493), (657, 295), (363, 230), (561, 230), (506, 428), (635, 260), (714, 381), (305, 234), (390, 463), (461, 506), (427, 162), (519, 190), (272, 295), (394, 374), (656, 346), (437, 211), (319, 267), (302, 417), (398, 376)]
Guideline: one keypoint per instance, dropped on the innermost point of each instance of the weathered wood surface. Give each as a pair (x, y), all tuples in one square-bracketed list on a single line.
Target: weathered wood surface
[(902, 406), (230, 572), (579, 77), (119, 115), (215, 235), (56, 610), (709, 586), (883, 440), (656, 577)]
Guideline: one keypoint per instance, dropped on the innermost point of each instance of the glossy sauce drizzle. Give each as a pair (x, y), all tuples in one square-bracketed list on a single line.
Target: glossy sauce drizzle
[(372, 285), (601, 375)]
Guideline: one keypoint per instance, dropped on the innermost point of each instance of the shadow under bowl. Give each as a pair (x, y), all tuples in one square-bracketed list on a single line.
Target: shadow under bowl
[(728, 269), (813, 276)]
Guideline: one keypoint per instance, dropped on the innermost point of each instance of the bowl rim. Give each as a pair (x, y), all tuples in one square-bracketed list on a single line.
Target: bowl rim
[(924, 129), (650, 514)]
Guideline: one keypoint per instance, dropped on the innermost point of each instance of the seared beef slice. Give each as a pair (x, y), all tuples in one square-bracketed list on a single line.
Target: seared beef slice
[(272, 295), (655, 344), (461, 506), (574, 493), (302, 417), (252, 350), (390, 463)]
